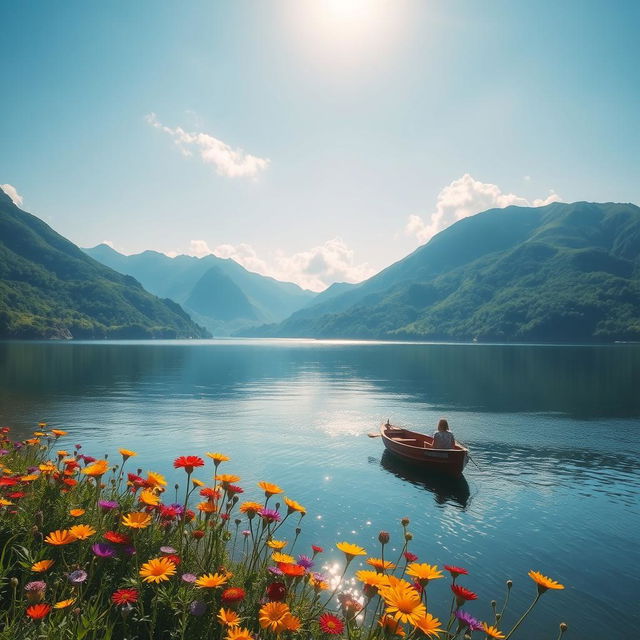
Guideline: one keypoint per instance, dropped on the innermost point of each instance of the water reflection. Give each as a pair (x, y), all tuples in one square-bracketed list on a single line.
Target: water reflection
[(445, 490)]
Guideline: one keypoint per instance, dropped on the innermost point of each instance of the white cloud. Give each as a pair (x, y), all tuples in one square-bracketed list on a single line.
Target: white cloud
[(229, 162), (12, 192), (314, 269), (465, 197)]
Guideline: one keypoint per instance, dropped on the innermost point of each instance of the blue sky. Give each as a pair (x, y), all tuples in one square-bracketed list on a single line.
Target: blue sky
[(315, 140)]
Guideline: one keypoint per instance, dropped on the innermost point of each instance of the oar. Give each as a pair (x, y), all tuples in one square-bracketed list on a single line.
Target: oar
[(470, 458), (373, 435)]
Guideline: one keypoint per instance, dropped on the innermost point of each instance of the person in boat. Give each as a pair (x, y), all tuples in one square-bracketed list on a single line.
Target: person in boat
[(443, 438)]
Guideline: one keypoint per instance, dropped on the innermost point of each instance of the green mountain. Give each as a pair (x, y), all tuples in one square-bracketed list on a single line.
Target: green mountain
[(559, 273), (219, 293), (49, 288)]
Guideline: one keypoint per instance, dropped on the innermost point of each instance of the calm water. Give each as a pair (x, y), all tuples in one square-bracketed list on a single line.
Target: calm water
[(554, 430)]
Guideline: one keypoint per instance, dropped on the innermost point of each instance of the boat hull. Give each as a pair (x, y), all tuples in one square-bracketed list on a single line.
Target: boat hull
[(415, 447)]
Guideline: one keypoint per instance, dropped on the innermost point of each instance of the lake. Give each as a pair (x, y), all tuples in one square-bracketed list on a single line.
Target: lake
[(554, 432)]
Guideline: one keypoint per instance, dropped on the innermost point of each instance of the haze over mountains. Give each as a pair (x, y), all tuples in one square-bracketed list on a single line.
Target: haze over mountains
[(50, 289), (559, 273), (218, 293)]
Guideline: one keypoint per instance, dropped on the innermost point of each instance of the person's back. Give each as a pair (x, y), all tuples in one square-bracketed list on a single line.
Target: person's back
[(443, 438)]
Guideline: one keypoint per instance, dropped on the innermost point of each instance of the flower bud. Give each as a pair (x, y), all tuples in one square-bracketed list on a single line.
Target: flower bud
[(237, 522), (176, 486), (509, 584), (405, 522), (383, 537), (14, 582), (498, 617), (298, 531), (408, 536), (563, 627), (493, 604)]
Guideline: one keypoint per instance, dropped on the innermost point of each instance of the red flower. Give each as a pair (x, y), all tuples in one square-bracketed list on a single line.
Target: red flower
[(174, 558), (124, 596), (291, 569), (169, 513), (410, 557), (117, 538), (331, 624), (234, 488), (189, 515), (208, 492), (88, 459), (232, 595), (188, 463), (462, 594), (16, 495), (197, 534), (38, 611), (316, 548), (8, 482), (276, 592), (456, 571)]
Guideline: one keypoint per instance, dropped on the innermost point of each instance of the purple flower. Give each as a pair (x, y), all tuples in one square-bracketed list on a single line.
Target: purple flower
[(77, 577), (270, 515), (130, 550), (103, 550), (178, 507), (467, 620), (17, 445), (189, 577), (305, 561), (197, 608), (78, 446), (108, 505), (3, 452), (319, 577), (33, 469), (275, 571), (36, 585), (168, 550)]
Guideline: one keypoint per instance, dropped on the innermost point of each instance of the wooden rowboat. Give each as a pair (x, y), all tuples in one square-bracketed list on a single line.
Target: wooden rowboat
[(416, 448)]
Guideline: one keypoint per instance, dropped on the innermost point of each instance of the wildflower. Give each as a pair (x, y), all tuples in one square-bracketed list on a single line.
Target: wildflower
[(149, 498), (293, 506), (82, 531), (232, 595), (198, 534), (291, 622), (380, 565), (318, 583), (467, 620), (211, 580), (543, 582), (228, 617), (124, 596), (76, 513), (126, 453), (372, 579), (77, 577), (492, 632), (38, 611), (351, 550), (197, 483), (210, 493), (189, 578), (429, 625), (331, 624), (96, 469), (56, 432), (305, 561), (424, 572), (277, 591), (349, 604), (410, 557), (455, 571), (188, 463), (42, 566), (63, 604), (276, 544), (462, 594), (227, 478), (403, 602), (269, 488), (35, 591), (316, 549), (293, 570), (282, 557), (238, 633), (136, 520), (157, 570), (218, 458), (197, 608), (168, 550), (116, 537), (169, 512), (391, 626), (103, 550), (174, 558), (155, 479), (107, 505), (271, 616), (207, 507), (250, 508), (269, 515), (60, 537)]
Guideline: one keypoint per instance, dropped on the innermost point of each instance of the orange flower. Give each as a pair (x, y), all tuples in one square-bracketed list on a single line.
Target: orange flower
[(380, 565), (58, 432), (228, 617), (403, 603), (289, 569), (372, 578), (60, 537), (227, 478), (282, 557), (492, 632), (424, 572), (238, 633), (42, 566), (96, 469), (38, 611), (351, 550), (291, 622), (156, 479), (82, 531), (292, 506), (63, 604), (211, 580), (207, 507), (543, 582), (136, 520), (250, 508), (76, 513), (269, 488), (126, 453), (157, 570), (391, 626), (429, 625), (218, 458), (149, 498), (272, 616), (276, 544)]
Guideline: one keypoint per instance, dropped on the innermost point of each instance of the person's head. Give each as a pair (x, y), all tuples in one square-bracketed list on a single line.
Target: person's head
[(443, 425)]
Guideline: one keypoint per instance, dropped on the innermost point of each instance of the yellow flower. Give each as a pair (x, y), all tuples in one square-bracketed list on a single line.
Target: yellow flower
[(32, 441), (228, 617), (227, 478), (60, 537), (380, 565), (126, 453), (318, 585), (136, 520), (76, 513), (62, 453), (211, 580), (58, 432), (282, 557), (148, 497), (5, 503), (403, 603), (157, 570), (29, 478), (429, 625), (81, 531), (277, 544), (47, 467), (97, 468), (156, 479), (63, 604), (271, 616), (42, 425), (543, 582), (42, 565), (238, 633), (351, 550), (424, 572), (197, 483), (492, 632), (218, 458), (372, 578), (250, 508), (207, 507), (294, 506), (269, 488)]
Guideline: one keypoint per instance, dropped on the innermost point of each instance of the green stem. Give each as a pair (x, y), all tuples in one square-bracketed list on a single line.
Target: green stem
[(524, 615)]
